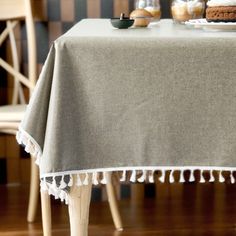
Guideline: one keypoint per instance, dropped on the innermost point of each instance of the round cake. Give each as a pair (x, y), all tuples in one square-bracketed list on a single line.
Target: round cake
[(221, 11)]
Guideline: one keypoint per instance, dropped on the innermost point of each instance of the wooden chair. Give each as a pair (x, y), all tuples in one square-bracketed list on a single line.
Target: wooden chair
[(11, 11)]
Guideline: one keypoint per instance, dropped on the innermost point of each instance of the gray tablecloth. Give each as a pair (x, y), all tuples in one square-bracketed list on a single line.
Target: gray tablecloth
[(142, 99)]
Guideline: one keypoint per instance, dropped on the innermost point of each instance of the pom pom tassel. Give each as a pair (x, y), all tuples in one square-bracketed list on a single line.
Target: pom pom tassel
[(162, 178), (86, 179), (221, 177), (151, 177), (66, 199), (79, 182), (27, 147), (232, 179), (212, 178), (62, 196), (192, 177), (133, 176), (123, 178), (43, 185), (62, 183), (54, 184), (95, 178), (143, 177), (104, 179), (50, 191), (70, 181), (171, 177), (181, 178), (202, 179)]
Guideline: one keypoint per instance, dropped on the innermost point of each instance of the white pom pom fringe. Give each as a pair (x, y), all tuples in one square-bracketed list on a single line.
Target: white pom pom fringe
[(95, 178), (104, 179), (151, 176), (162, 178), (181, 177), (31, 146), (57, 185), (212, 178), (54, 190), (221, 177), (86, 179), (202, 179), (79, 182), (171, 177), (54, 184), (133, 176), (43, 185), (191, 178), (143, 177), (232, 179), (63, 184), (123, 178), (71, 181)]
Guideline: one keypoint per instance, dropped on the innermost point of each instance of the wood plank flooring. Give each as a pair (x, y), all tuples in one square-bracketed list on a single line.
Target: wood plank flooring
[(177, 210)]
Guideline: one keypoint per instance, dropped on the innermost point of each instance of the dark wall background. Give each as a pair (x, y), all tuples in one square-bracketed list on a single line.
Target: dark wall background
[(54, 17)]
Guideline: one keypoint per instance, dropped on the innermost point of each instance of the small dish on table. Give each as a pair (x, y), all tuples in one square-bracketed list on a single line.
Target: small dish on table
[(122, 22)]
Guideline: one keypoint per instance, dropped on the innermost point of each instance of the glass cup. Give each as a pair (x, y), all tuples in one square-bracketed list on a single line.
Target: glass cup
[(152, 6), (184, 10)]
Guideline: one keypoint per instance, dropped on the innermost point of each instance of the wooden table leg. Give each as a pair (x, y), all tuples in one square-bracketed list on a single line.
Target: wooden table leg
[(46, 213), (112, 199), (79, 201), (34, 191)]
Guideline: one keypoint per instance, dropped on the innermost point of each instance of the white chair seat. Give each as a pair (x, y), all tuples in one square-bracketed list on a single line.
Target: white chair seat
[(12, 113)]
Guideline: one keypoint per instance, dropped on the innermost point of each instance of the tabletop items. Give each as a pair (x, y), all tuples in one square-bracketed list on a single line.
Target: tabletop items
[(141, 17), (146, 11), (122, 22), (183, 12), (152, 6), (220, 16)]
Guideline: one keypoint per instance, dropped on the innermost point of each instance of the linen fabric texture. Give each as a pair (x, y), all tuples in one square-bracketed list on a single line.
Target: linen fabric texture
[(163, 96)]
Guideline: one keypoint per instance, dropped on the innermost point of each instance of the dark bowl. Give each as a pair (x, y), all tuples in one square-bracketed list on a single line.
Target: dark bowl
[(122, 24)]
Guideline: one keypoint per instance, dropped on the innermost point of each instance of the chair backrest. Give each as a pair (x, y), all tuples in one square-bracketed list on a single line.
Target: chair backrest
[(12, 11)]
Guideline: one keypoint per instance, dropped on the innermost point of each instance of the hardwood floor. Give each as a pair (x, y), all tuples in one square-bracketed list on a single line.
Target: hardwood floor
[(178, 210)]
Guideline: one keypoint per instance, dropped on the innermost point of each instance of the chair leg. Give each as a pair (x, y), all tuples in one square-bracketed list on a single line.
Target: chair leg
[(112, 199), (46, 213), (79, 201), (34, 192)]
